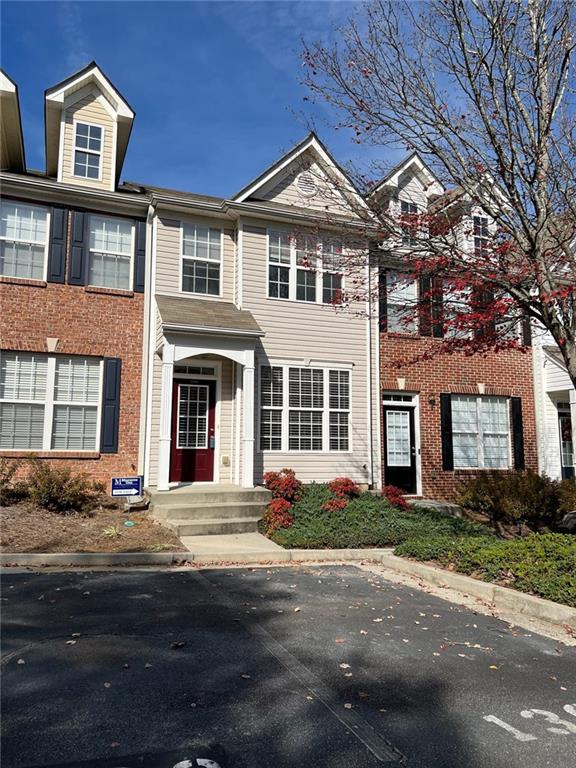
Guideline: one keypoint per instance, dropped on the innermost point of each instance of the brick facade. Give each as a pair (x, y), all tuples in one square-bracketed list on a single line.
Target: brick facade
[(507, 373), (86, 321)]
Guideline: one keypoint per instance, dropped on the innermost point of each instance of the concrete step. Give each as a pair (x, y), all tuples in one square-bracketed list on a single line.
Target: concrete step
[(202, 510), (182, 497), (209, 526)]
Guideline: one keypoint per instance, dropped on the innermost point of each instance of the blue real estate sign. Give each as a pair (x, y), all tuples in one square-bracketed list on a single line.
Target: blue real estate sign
[(127, 486)]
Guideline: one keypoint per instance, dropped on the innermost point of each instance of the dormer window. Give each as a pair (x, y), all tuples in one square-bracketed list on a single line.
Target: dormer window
[(88, 151)]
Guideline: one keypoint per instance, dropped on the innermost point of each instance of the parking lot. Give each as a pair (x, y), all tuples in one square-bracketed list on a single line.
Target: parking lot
[(324, 667)]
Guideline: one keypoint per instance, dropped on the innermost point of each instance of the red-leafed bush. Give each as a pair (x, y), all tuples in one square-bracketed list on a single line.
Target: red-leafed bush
[(344, 488), (335, 504), (278, 515), (283, 484), (395, 497)]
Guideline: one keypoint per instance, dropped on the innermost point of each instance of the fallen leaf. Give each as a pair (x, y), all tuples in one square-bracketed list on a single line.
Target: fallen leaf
[(246, 677), (20, 661), (296, 610), (107, 685), (179, 644), (344, 666), (70, 642), (347, 706), (147, 666)]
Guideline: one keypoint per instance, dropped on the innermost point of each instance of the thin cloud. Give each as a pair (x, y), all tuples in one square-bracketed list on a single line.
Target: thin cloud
[(73, 36)]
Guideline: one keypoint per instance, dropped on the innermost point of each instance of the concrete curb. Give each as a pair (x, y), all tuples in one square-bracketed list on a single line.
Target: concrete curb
[(502, 598)]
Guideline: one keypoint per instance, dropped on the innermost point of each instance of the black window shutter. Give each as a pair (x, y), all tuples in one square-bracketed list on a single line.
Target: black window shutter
[(437, 324), (57, 247), (526, 332), (77, 267), (517, 432), (110, 405), (425, 305), (140, 257), (383, 300), (446, 430)]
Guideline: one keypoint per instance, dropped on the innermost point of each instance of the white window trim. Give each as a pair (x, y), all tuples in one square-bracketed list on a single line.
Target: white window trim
[(32, 242), (113, 253), (75, 149), (293, 268), (49, 402), (285, 408), (208, 296), (480, 435)]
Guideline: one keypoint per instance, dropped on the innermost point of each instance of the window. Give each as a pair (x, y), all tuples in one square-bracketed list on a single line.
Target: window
[(304, 268), (23, 240), (279, 258), (332, 272), (271, 401), (295, 413), (111, 249), (88, 151), (409, 222), (49, 402), (339, 397), (481, 236), (480, 432), (402, 298), (201, 259), (455, 308)]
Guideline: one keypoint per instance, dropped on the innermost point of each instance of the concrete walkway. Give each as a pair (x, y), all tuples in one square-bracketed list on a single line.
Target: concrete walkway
[(231, 544)]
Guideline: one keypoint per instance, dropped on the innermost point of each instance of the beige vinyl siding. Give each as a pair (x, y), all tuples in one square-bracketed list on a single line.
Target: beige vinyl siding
[(328, 198), (169, 258), (297, 332), (89, 110)]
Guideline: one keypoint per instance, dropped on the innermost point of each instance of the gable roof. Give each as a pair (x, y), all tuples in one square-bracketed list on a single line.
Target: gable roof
[(329, 165), (55, 97), (420, 168), (12, 156)]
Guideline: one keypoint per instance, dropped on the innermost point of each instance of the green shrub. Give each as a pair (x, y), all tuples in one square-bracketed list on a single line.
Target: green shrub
[(366, 521), (57, 489), (542, 564), (11, 490), (514, 498), (567, 496)]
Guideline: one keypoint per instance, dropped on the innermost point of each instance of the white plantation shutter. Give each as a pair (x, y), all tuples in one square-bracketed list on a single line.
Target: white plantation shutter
[(339, 402), (77, 380), (21, 425), (49, 402), (23, 376), (271, 401)]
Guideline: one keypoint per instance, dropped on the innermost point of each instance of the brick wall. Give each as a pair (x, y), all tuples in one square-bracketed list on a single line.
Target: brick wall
[(507, 373), (86, 321)]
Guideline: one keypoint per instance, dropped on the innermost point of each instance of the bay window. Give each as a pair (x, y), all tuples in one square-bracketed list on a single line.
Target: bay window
[(304, 409), (111, 251), (480, 432), (49, 402), (23, 240), (201, 259)]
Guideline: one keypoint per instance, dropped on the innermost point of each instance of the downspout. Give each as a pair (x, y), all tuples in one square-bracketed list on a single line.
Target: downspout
[(148, 347), (370, 381)]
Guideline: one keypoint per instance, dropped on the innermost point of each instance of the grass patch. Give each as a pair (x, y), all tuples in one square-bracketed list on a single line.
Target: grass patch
[(367, 521), (541, 564)]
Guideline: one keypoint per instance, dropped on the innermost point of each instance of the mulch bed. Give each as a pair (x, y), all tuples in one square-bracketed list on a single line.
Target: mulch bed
[(27, 528)]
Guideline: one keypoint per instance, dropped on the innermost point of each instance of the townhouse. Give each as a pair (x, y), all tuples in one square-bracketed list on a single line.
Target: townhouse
[(205, 340), (448, 416), (187, 338), (72, 271)]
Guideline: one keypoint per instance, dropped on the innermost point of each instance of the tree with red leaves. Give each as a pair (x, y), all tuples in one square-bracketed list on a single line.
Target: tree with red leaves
[(483, 94)]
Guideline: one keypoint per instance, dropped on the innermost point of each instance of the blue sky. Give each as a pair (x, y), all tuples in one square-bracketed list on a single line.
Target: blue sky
[(216, 86)]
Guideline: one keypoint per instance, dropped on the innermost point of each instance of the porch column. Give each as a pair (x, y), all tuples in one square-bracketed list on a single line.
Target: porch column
[(248, 422), (165, 417)]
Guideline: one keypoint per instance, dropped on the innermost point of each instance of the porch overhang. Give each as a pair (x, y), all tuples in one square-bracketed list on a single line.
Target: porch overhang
[(183, 314)]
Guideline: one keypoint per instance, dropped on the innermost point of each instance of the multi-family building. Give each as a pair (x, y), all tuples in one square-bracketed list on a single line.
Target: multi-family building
[(206, 340), (445, 416), (72, 272)]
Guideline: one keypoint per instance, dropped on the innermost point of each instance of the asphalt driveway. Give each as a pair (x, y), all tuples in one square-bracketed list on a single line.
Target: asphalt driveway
[(310, 667)]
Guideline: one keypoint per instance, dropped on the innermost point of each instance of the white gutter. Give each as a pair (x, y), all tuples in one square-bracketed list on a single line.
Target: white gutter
[(146, 376), (177, 328)]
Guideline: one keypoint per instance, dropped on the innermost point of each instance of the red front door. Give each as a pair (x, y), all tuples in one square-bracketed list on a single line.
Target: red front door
[(192, 454)]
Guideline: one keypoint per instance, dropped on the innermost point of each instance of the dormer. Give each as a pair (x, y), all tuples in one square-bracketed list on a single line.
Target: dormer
[(11, 139), (88, 125)]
